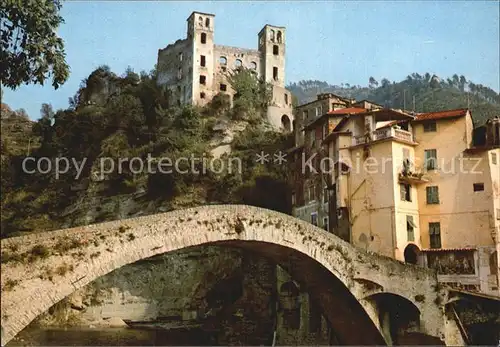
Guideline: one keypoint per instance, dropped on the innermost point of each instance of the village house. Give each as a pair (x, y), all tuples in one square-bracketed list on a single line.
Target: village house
[(421, 188), (195, 69)]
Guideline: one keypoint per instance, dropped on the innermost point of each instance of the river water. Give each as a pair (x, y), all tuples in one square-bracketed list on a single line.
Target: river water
[(111, 337)]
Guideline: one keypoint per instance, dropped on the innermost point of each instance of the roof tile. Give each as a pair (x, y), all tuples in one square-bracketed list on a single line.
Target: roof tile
[(442, 114)]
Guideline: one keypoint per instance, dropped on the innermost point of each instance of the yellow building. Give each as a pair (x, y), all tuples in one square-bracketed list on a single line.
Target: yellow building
[(419, 188)]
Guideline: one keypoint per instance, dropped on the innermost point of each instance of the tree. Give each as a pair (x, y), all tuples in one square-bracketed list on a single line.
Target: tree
[(31, 49), (372, 82), (385, 82)]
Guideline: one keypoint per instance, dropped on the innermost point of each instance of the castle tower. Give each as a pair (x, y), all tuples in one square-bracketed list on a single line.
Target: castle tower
[(272, 48), (201, 36)]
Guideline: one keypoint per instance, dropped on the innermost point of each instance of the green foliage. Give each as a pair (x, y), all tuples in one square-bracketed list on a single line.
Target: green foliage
[(31, 49), (129, 116), (252, 96)]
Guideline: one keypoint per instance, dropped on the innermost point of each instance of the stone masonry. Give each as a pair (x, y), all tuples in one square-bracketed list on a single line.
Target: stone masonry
[(340, 276)]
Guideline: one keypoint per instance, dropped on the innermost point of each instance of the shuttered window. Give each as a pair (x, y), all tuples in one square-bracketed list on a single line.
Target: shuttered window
[(432, 195), (435, 235)]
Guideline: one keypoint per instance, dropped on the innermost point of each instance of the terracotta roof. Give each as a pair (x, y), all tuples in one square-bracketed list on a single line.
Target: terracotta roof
[(348, 110), (442, 114)]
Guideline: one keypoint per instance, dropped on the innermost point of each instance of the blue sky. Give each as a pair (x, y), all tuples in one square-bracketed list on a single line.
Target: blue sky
[(335, 41)]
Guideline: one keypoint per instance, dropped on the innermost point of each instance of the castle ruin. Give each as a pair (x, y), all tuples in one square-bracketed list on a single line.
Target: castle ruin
[(195, 69)]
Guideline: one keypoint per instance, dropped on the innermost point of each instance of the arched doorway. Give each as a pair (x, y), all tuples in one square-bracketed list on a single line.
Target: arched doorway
[(411, 254), (285, 123)]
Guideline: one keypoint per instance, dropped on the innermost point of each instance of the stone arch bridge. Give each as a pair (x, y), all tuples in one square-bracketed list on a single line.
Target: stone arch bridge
[(354, 288)]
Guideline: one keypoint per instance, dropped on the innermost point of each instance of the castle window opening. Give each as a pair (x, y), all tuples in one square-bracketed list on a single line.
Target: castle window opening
[(179, 73), (272, 35), (279, 37), (203, 38), (285, 122), (200, 21), (275, 73), (238, 63), (203, 79), (253, 65), (203, 61), (276, 50), (180, 56), (223, 60), (202, 95), (286, 99), (207, 22), (223, 87)]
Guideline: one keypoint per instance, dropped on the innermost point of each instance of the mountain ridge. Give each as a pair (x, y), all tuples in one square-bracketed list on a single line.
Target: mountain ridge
[(419, 93)]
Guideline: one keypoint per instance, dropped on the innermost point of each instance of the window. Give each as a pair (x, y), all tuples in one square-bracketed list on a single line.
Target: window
[(275, 73), (179, 73), (429, 126), (223, 87), (325, 223), (200, 21), (223, 60), (203, 61), (410, 228), (203, 38), (238, 63), (494, 158), (272, 35), (276, 50), (314, 218), (203, 79), (180, 56), (432, 195), (304, 116), (293, 199), (325, 195), (435, 235), (405, 190), (286, 99), (202, 95), (207, 22), (253, 65), (478, 187), (310, 193), (430, 159), (279, 37), (318, 111)]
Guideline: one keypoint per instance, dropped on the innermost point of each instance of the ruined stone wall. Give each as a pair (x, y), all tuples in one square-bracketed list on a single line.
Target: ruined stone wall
[(175, 70)]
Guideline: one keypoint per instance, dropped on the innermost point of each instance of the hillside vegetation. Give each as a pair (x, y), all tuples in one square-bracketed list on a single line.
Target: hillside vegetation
[(423, 93), (129, 116)]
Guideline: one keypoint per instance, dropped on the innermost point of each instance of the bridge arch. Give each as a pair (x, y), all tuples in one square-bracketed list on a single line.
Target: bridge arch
[(320, 261)]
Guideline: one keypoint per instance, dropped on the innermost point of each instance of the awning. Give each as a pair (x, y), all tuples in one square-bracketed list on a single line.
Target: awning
[(411, 224)]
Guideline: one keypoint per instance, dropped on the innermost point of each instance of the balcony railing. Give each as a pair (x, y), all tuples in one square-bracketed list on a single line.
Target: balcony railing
[(384, 133)]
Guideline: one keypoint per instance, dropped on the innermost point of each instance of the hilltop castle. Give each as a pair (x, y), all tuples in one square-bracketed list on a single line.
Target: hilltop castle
[(194, 69)]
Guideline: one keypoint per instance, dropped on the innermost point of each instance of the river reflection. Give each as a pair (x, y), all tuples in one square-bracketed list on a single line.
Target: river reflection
[(112, 337)]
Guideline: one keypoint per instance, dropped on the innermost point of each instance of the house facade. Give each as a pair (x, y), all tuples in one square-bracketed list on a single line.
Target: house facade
[(421, 188)]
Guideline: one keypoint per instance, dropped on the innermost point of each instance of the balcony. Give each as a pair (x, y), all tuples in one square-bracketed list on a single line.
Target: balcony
[(409, 174), (382, 134)]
